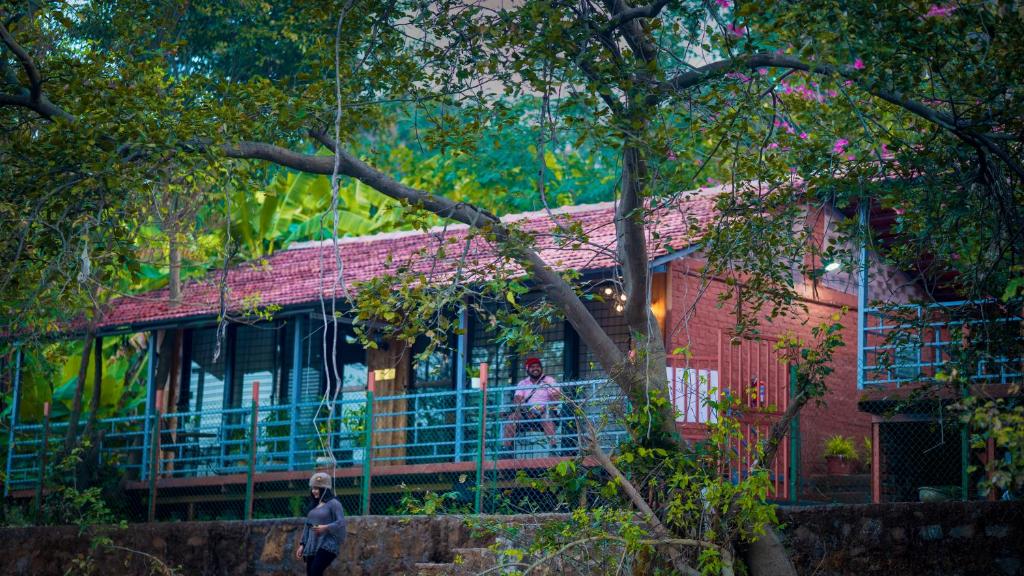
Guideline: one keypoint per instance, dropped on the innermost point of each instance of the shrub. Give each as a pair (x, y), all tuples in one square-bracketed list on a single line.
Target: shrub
[(842, 447)]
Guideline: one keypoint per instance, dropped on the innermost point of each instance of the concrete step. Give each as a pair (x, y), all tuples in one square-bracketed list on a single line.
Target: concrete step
[(847, 489), (475, 559), (434, 569)]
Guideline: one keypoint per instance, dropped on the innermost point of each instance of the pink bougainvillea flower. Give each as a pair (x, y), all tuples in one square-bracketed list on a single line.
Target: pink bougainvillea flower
[(773, 145), (839, 145), (804, 135), (936, 11), (851, 157), (762, 71), (737, 31), (672, 155), (899, 211), (722, 3), (858, 64)]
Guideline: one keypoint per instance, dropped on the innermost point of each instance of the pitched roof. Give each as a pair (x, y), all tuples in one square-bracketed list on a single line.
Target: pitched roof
[(300, 274)]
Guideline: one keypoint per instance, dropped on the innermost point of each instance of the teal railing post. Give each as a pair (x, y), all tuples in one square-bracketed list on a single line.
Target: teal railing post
[(794, 441), (154, 456), (481, 440), (367, 445), (150, 378), (296, 392), (43, 449), (250, 472), (15, 407)]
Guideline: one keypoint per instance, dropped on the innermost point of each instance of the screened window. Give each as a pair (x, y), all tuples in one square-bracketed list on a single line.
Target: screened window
[(436, 370), (257, 359), (206, 375), (614, 323)]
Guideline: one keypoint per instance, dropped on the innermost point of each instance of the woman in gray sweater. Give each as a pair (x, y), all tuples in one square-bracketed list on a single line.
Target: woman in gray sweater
[(324, 534)]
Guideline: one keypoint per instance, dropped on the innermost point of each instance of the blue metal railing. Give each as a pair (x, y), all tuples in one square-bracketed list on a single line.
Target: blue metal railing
[(910, 343), (417, 428)]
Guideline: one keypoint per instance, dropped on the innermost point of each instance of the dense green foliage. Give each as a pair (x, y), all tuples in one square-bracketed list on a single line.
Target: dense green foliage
[(144, 139)]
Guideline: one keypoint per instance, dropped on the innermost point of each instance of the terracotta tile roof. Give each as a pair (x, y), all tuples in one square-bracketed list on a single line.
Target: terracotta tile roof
[(299, 274)]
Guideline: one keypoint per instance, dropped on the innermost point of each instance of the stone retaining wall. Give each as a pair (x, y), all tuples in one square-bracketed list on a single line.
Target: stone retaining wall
[(927, 539), (947, 539)]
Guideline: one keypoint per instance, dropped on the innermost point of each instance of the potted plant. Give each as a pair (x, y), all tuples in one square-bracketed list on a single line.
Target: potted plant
[(840, 455)]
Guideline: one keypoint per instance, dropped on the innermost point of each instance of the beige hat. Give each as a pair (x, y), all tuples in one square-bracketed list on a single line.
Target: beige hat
[(320, 480)]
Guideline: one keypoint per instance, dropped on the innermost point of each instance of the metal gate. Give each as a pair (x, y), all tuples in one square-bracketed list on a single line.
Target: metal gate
[(750, 371)]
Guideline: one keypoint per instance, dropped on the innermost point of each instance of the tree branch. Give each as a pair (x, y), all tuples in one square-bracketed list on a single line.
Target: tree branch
[(770, 446), (637, 499), (701, 75), (35, 81), (42, 106), (625, 18), (629, 14)]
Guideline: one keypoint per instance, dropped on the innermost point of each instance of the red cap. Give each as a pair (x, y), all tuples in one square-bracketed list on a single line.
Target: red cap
[(531, 361)]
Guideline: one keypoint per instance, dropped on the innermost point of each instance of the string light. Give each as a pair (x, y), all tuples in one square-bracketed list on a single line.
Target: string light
[(608, 291)]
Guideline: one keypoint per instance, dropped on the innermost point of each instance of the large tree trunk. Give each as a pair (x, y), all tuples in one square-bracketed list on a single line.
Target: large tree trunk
[(76, 404), (649, 360)]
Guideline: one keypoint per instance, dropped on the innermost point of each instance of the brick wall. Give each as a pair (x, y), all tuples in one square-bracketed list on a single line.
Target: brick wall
[(696, 321)]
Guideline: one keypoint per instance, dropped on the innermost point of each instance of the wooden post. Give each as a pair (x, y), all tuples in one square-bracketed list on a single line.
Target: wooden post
[(876, 461), (368, 445), (481, 439), (154, 457), (253, 432), (43, 448)]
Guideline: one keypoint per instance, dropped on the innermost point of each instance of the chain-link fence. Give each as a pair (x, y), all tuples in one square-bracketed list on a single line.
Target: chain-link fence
[(925, 453), (920, 366)]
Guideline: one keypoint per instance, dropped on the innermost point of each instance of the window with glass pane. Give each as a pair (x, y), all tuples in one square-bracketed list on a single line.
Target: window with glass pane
[(431, 430), (256, 360), (347, 367)]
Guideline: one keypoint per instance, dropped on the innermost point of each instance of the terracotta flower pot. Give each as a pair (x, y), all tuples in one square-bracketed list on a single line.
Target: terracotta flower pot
[(839, 466)]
